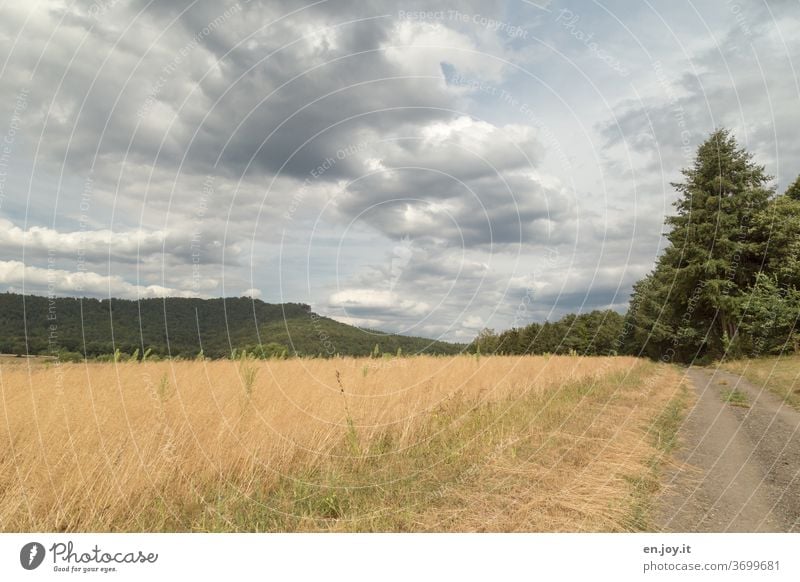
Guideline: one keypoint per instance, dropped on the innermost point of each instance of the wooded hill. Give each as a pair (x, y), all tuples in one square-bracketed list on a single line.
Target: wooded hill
[(183, 327), (727, 285)]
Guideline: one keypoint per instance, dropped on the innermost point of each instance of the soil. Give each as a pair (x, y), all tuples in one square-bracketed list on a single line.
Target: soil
[(737, 468)]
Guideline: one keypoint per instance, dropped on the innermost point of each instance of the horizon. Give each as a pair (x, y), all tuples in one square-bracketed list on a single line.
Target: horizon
[(428, 173), (256, 299)]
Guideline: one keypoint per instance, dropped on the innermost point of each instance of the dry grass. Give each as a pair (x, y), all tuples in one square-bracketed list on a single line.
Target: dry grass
[(422, 444), (780, 374)]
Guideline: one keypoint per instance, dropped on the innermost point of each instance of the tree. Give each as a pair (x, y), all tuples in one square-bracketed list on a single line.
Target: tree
[(594, 333), (793, 192), (486, 342), (776, 233), (770, 317), (689, 304)]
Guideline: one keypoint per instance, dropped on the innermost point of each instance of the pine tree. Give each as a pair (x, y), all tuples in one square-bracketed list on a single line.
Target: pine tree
[(689, 305), (793, 192), (776, 232)]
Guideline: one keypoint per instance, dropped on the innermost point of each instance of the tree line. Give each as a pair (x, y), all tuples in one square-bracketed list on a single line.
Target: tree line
[(727, 284), (76, 328)]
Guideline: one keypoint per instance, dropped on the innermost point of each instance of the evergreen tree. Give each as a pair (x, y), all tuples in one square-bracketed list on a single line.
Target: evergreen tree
[(688, 306), (776, 234), (769, 320), (793, 192), (594, 333)]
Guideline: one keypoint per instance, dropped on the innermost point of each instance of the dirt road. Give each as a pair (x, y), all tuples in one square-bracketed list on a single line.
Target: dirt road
[(738, 467)]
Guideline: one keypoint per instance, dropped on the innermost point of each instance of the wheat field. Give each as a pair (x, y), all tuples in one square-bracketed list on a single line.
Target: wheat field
[(547, 443)]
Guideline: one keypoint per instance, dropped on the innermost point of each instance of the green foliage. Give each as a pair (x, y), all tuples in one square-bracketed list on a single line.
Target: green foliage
[(793, 191), (708, 295), (486, 342), (776, 238), (594, 333), (735, 397), (169, 328), (66, 356), (247, 372), (768, 318), (726, 285), (268, 351), (163, 388)]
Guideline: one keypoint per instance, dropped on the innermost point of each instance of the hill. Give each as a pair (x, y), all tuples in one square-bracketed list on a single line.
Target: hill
[(182, 327)]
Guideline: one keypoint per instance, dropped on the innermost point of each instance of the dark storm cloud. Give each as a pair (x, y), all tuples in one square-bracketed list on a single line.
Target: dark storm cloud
[(233, 82), (308, 119), (465, 182)]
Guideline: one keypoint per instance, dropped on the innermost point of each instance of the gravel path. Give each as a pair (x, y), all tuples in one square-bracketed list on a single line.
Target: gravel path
[(738, 468)]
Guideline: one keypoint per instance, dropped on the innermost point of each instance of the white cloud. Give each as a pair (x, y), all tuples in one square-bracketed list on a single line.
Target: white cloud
[(61, 282), (89, 243), (473, 322), (371, 299), (470, 177)]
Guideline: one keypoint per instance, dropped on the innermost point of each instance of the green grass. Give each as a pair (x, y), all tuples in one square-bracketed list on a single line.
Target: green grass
[(735, 397), (780, 375), (664, 437)]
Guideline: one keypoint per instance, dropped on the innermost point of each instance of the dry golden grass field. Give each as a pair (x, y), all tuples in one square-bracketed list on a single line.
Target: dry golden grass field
[(408, 444)]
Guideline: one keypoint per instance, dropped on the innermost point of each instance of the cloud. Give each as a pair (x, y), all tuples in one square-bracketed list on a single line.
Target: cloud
[(335, 153), (182, 244), (354, 301), (60, 282), (96, 244), (473, 323), (745, 82), (463, 181)]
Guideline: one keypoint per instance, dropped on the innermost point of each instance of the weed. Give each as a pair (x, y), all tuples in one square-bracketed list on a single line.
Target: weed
[(163, 388), (352, 435), (247, 372), (664, 436), (736, 397)]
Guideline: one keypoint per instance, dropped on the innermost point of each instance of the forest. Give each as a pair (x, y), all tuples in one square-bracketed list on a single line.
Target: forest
[(73, 328), (726, 286)]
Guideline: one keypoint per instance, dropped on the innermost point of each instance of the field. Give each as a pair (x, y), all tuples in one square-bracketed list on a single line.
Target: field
[(780, 374), (465, 443)]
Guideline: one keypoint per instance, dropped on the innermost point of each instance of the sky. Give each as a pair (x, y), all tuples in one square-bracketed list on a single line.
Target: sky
[(426, 168)]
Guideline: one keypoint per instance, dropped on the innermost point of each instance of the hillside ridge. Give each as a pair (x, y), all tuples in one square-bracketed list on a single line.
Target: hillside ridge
[(174, 326)]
